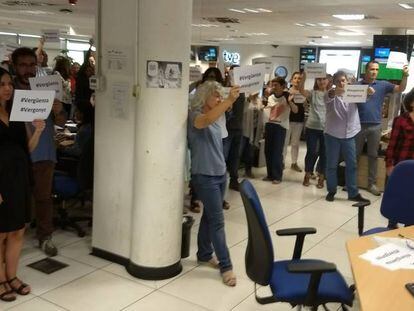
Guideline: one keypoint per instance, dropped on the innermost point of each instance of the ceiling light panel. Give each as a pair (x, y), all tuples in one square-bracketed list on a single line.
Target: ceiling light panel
[(350, 17), (406, 6)]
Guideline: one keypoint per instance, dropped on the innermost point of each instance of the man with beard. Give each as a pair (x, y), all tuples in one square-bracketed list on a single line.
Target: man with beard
[(44, 155)]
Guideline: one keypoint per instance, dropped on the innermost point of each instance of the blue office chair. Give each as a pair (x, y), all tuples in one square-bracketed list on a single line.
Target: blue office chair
[(76, 187), (398, 200), (299, 282)]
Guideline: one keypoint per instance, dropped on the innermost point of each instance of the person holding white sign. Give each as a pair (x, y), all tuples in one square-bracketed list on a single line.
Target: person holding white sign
[(296, 121), (370, 115), (315, 125), (208, 173), (44, 155), (15, 189), (280, 104), (342, 125)]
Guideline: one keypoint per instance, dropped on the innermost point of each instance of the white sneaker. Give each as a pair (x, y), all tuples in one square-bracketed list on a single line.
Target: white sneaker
[(373, 189)]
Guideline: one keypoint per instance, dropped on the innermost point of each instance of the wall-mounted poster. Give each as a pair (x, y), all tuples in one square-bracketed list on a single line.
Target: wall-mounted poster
[(164, 74)]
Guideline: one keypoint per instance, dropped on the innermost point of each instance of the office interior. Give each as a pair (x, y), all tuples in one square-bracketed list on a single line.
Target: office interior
[(127, 252)]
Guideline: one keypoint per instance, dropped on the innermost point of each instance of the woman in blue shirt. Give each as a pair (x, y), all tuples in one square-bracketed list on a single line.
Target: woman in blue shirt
[(208, 173)]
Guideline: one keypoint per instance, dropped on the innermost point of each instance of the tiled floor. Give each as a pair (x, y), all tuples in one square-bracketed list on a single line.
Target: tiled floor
[(91, 283)]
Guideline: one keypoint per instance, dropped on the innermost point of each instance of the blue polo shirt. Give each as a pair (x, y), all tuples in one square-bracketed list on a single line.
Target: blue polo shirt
[(371, 111), (46, 149)]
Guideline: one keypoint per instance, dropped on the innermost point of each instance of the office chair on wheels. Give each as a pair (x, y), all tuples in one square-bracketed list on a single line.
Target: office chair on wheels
[(398, 199), (78, 188), (299, 282)]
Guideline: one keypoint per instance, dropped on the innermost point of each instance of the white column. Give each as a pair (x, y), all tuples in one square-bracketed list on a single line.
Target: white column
[(139, 171), (164, 34)]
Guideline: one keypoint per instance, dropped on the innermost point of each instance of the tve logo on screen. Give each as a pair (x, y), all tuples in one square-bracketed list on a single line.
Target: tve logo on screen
[(231, 57)]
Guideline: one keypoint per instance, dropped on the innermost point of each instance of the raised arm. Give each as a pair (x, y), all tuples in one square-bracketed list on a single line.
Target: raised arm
[(301, 86), (401, 88), (33, 137), (205, 119)]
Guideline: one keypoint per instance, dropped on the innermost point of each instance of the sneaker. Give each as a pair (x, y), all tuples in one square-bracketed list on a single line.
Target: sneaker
[(373, 189), (296, 167), (359, 198), (234, 185), (330, 197), (276, 182), (48, 246)]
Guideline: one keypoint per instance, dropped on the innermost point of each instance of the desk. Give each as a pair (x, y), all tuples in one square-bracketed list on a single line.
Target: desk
[(380, 289)]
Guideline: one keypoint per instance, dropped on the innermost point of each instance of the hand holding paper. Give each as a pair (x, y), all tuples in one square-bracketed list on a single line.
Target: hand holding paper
[(39, 125), (234, 93)]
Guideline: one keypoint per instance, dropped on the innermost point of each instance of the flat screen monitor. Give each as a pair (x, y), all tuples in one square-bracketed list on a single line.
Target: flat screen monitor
[(340, 59), (207, 53)]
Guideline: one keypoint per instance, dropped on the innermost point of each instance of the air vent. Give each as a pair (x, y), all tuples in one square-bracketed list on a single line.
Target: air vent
[(315, 37), (239, 37), (224, 20), (370, 17), (17, 3), (212, 40)]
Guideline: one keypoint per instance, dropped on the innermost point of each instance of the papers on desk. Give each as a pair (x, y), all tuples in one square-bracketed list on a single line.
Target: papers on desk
[(392, 256)]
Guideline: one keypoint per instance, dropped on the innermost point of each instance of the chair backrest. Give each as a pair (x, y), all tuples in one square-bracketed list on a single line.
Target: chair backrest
[(398, 199), (259, 253)]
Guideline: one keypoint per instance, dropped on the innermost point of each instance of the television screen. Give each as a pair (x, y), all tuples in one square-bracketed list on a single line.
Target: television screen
[(382, 52), (207, 53)]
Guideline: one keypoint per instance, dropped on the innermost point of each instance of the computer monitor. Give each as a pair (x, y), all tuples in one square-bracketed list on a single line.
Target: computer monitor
[(207, 53)]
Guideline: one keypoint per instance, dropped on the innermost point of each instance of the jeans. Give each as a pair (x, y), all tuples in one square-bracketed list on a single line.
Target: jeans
[(274, 142), (231, 148), (211, 234), (42, 193), (371, 133), (293, 137), (315, 147), (345, 147)]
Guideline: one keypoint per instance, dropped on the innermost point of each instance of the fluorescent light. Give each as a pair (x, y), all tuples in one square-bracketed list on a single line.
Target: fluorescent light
[(324, 24), (310, 24), (8, 34), (28, 36), (238, 11), (204, 25), (312, 43), (325, 37), (350, 17), (256, 34), (298, 24), (347, 42), (72, 31), (406, 6), (264, 10), (349, 33), (250, 10)]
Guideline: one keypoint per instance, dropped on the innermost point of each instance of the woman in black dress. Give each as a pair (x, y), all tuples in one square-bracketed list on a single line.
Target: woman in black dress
[(15, 145)]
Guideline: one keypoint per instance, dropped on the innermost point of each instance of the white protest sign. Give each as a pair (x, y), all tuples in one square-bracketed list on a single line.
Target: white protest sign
[(31, 105), (356, 93), (397, 60), (53, 82), (249, 78), (195, 74), (315, 70), (51, 35), (299, 99)]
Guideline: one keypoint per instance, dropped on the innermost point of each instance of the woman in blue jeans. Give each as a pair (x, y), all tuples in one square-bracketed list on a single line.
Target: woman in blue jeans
[(342, 125), (315, 124), (208, 173)]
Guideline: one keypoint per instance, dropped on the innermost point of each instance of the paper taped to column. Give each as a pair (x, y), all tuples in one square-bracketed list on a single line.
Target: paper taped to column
[(164, 74)]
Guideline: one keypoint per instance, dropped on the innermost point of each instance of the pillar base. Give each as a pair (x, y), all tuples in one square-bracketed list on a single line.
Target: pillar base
[(154, 274)]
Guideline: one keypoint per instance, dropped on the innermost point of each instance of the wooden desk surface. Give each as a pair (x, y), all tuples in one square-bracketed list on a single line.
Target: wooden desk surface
[(378, 288)]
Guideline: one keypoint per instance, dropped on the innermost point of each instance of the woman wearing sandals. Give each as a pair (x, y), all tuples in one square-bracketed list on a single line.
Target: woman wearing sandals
[(315, 125), (208, 173), (15, 145)]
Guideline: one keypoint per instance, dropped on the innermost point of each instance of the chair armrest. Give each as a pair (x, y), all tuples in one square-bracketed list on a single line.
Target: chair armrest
[(361, 211), (300, 238), (316, 269), (295, 231), (311, 267)]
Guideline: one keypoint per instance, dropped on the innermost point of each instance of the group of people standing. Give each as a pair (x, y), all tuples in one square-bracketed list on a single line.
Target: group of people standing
[(224, 129), (27, 163)]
